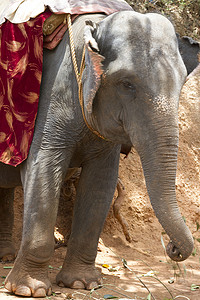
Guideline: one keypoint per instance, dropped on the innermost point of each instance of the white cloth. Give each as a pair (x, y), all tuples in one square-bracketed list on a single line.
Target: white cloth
[(18, 11)]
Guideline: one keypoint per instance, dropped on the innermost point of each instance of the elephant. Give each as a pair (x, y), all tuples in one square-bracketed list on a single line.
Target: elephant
[(131, 85)]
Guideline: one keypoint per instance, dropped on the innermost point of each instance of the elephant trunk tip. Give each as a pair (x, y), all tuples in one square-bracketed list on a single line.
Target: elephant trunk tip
[(176, 254)]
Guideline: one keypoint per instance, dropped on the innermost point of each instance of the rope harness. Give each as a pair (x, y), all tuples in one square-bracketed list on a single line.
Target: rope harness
[(79, 74)]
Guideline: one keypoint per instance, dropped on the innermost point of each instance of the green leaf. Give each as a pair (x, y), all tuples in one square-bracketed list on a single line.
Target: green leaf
[(3, 277), (198, 226), (162, 242), (185, 270), (184, 219), (149, 297), (194, 287), (198, 240), (50, 267), (8, 267), (114, 269), (124, 262), (194, 252), (108, 296)]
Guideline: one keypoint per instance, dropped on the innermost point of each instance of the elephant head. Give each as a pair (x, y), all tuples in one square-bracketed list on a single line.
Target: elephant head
[(131, 86)]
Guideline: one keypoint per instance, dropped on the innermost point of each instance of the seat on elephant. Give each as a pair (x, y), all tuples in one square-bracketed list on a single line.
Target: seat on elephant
[(21, 59)]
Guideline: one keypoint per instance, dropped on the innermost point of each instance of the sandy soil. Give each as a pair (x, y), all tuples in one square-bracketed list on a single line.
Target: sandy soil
[(145, 253), (149, 269)]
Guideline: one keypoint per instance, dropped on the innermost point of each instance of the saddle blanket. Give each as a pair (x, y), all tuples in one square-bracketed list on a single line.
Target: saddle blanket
[(21, 58)]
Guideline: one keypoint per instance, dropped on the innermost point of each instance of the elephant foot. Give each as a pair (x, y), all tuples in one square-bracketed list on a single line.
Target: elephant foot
[(7, 251), (29, 283), (79, 277)]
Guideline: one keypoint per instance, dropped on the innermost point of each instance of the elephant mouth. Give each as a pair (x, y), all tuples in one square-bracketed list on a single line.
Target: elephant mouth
[(125, 149)]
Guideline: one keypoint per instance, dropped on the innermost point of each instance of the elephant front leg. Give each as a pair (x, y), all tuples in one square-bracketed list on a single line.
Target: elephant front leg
[(41, 183), (94, 196), (7, 250)]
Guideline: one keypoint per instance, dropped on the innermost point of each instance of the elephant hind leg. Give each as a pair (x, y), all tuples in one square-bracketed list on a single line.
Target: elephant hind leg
[(7, 250)]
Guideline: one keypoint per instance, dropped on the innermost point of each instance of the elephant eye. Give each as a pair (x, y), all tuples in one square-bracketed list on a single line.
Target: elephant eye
[(126, 86)]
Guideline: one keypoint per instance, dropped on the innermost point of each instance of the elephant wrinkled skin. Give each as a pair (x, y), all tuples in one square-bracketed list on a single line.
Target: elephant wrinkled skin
[(131, 84)]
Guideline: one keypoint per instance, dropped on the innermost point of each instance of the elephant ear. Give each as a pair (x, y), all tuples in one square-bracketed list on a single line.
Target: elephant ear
[(93, 66), (189, 50)]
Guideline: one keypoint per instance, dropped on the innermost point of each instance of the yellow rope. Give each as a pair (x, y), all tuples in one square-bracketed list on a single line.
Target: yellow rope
[(69, 22), (79, 75)]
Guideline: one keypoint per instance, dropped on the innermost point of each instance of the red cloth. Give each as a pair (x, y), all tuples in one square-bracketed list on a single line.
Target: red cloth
[(21, 57)]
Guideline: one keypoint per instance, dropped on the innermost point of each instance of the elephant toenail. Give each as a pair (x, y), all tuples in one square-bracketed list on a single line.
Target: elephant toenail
[(61, 284), (8, 286), (49, 292), (92, 285), (22, 291), (39, 293), (78, 285)]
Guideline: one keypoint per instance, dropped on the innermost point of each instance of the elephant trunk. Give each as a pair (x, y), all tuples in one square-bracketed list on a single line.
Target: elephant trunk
[(159, 161)]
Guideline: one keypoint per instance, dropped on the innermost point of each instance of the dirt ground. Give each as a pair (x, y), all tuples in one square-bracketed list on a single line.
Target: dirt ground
[(148, 268), (184, 14)]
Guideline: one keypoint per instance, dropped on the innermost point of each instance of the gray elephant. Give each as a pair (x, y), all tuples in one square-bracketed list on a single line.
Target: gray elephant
[(131, 85)]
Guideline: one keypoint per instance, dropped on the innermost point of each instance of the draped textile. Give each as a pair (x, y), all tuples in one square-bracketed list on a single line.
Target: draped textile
[(21, 52), (18, 11)]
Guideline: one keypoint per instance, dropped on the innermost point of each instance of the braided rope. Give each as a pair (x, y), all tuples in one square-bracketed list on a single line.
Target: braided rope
[(79, 75), (69, 22)]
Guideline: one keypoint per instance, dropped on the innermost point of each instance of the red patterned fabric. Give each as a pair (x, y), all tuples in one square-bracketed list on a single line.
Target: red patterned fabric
[(21, 56)]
